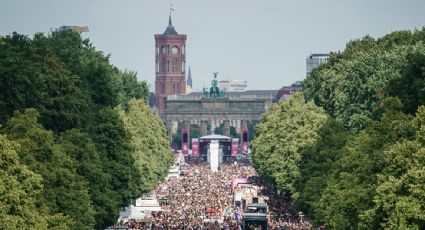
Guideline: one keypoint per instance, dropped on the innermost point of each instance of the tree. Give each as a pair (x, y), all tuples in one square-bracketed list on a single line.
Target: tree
[(285, 131), (362, 167), (99, 79), (410, 86), (19, 189), (34, 78), (131, 88), (348, 195), (64, 190), (152, 151), (317, 164), (81, 148), (400, 191), (351, 84), (56, 98), (112, 141)]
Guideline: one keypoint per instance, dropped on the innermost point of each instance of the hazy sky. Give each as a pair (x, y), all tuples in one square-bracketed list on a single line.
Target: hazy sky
[(262, 41)]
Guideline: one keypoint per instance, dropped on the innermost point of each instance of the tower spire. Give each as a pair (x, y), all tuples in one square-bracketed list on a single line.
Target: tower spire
[(170, 28), (189, 78), (170, 23)]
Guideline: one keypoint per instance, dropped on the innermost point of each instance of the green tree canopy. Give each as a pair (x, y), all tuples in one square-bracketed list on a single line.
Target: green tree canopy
[(351, 84), (285, 131), (152, 152), (19, 189), (64, 190), (56, 98), (361, 166)]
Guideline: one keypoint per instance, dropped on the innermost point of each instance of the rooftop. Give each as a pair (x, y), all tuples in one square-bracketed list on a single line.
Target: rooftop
[(318, 55), (170, 28)]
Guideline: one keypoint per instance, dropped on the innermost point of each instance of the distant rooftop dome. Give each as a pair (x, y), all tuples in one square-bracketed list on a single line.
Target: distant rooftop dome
[(170, 28)]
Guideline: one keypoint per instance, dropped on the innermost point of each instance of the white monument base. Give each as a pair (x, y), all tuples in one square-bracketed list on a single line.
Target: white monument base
[(214, 155)]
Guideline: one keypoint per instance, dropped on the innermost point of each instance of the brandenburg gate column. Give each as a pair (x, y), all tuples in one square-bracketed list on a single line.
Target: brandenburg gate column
[(186, 124), (213, 126), (226, 128), (244, 125), (204, 128)]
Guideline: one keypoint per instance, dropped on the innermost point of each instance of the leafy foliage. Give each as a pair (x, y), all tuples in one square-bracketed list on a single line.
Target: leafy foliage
[(64, 190), (317, 164), (81, 148), (57, 100), (113, 144), (19, 189), (286, 129), (152, 152), (362, 165), (351, 84)]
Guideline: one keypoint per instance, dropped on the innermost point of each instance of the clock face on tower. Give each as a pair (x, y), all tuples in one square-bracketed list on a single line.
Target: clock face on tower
[(175, 50), (164, 50)]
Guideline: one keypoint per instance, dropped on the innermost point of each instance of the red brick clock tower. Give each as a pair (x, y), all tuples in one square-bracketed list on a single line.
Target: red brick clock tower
[(170, 65)]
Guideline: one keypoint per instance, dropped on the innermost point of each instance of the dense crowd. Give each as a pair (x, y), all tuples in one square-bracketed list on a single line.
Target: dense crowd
[(201, 199), (198, 196)]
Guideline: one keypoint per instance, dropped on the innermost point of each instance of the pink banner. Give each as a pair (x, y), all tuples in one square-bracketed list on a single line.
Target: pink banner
[(185, 149), (195, 148), (236, 181), (235, 147)]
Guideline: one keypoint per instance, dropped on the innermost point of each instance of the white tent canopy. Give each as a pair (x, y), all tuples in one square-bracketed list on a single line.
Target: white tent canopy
[(144, 206), (215, 137), (132, 212)]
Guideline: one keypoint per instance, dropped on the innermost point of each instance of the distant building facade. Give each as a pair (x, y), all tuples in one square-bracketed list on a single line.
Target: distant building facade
[(233, 85), (287, 91), (79, 29), (170, 65), (314, 60)]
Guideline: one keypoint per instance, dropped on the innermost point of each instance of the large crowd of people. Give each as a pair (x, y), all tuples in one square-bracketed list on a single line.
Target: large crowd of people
[(202, 199)]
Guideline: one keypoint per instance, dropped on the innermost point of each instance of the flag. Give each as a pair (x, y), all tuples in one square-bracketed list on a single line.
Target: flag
[(172, 7)]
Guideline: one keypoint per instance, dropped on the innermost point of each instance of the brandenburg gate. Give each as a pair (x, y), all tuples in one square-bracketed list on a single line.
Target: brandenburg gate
[(214, 107)]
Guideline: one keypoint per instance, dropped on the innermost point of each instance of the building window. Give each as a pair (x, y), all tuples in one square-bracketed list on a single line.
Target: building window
[(157, 67), (168, 66), (174, 65), (164, 65)]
